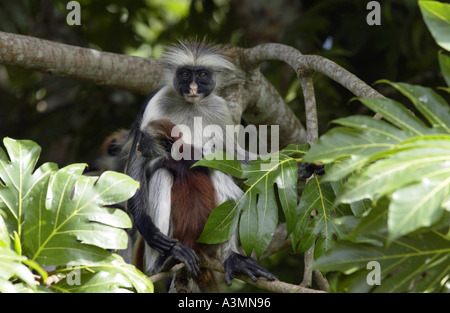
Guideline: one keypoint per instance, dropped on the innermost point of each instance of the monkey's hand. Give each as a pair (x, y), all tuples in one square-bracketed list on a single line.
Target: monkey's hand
[(243, 264), (183, 254)]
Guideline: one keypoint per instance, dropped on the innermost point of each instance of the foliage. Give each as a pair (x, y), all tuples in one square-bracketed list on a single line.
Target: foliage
[(401, 164), (33, 104), (405, 164), (58, 218), (437, 16), (385, 196), (263, 179), (403, 168)]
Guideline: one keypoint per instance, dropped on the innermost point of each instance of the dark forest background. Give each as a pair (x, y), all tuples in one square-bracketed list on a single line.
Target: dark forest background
[(70, 118)]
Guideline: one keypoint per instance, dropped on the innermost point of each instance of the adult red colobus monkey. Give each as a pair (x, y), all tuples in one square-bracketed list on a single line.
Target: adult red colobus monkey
[(193, 74)]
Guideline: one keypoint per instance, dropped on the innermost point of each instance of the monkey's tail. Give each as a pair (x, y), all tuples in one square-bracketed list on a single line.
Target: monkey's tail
[(206, 281)]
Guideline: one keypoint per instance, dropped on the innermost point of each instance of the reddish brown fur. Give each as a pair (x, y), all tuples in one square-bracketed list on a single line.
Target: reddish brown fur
[(193, 199), (192, 202)]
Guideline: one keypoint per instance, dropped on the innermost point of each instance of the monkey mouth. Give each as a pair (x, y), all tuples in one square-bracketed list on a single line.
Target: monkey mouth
[(193, 97)]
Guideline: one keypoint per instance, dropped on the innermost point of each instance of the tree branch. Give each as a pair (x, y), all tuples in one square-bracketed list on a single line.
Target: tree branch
[(299, 62), (142, 76), (262, 283), (102, 68)]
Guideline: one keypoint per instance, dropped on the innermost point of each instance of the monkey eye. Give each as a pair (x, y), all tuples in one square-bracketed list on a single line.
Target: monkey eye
[(184, 74), (203, 74)]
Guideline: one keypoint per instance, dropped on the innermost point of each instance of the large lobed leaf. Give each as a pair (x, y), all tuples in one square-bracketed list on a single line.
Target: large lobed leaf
[(61, 216), (74, 215), (256, 213), (402, 165), (316, 214), (406, 160), (11, 264), (421, 263), (115, 277)]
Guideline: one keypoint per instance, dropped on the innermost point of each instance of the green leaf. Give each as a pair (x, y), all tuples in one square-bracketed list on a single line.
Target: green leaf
[(437, 17), (221, 224), (223, 162), (320, 198), (11, 266), (115, 277), (444, 63), (375, 159), (396, 113), (369, 137), (296, 151), (366, 229), (248, 229), (387, 175), (419, 205), (17, 182), (74, 216), (433, 107), (60, 216), (5, 241), (408, 264), (415, 177)]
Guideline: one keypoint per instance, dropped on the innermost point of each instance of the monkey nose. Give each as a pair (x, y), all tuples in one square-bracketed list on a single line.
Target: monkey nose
[(193, 88)]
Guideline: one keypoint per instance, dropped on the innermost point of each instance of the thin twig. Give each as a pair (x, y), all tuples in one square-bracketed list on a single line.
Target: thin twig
[(160, 276)]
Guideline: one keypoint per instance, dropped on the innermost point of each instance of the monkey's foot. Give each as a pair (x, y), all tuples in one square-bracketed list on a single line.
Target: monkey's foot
[(242, 264)]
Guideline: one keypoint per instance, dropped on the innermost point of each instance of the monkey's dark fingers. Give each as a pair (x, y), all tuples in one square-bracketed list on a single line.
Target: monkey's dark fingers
[(187, 256), (254, 269), (242, 264)]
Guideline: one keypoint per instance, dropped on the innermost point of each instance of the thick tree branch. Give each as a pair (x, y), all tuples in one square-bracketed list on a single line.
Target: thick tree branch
[(142, 76), (266, 107), (102, 68)]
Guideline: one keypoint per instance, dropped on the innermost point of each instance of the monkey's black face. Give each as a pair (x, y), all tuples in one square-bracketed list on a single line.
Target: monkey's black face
[(194, 82)]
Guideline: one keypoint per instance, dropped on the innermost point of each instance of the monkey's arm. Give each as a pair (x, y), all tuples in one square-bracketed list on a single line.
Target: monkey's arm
[(139, 207), (167, 247)]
